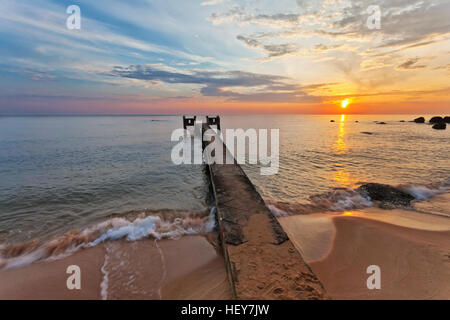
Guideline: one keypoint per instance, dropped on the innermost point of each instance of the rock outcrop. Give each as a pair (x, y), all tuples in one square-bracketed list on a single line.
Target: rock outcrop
[(389, 196), (440, 126), (437, 120)]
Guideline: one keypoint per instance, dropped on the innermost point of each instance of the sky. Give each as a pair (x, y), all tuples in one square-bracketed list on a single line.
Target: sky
[(225, 56)]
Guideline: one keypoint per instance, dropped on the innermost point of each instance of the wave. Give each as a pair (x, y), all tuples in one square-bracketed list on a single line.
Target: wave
[(425, 192), (341, 199), (164, 225)]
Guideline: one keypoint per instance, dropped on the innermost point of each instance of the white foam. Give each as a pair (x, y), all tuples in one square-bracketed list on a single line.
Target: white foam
[(163, 264), (105, 280), (118, 228), (25, 259), (352, 201), (277, 212), (155, 227), (342, 200), (424, 193)]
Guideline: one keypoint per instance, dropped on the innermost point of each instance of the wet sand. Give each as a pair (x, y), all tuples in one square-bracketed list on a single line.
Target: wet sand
[(47, 280), (438, 205), (189, 268), (412, 250)]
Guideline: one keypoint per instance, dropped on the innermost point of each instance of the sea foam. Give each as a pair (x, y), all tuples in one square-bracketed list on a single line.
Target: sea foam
[(144, 226)]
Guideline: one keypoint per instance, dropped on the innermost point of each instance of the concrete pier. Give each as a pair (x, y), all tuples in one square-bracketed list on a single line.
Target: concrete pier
[(262, 262)]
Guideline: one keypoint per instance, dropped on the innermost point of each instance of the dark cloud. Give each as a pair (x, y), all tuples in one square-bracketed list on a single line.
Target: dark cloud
[(259, 87), (278, 50), (249, 41), (272, 50), (30, 73), (219, 78), (280, 17), (410, 64)]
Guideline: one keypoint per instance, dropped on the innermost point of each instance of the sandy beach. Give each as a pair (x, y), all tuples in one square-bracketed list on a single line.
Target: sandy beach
[(167, 269), (410, 247), (412, 250)]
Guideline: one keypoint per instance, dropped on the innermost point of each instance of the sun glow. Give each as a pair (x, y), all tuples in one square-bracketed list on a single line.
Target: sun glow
[(345, 103)]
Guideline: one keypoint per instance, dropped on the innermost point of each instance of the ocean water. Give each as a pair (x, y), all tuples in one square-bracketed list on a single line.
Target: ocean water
[(110, 177), (318, 156), (61, 173)]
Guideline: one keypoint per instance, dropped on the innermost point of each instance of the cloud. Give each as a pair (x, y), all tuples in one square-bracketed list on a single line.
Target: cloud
[(278, 50), (272, 50), (233, 85), (249, 41), (403, 22), (211, 2), (410, 64), (443, 67), (239, 15), (94, 36), (162, 48), (325, 48), (30, 73)]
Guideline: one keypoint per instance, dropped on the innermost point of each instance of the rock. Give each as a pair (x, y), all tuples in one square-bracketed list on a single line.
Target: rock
[(440, 126), (402, 121), (437, 120), (381, 122), (332, 121), (419, 120), (365, 132), (357, 121), (387, 195), (447, 119)]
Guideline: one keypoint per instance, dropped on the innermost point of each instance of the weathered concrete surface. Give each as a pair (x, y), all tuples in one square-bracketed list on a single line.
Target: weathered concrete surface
[(261, 260)]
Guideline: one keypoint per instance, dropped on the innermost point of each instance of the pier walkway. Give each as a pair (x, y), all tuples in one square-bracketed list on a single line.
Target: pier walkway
[(261, 261)]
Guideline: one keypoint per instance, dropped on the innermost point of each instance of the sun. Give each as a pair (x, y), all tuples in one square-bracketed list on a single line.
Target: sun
[(345, 103)]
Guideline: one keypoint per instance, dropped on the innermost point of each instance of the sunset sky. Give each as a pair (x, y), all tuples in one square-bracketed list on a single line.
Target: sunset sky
[(224, 56)]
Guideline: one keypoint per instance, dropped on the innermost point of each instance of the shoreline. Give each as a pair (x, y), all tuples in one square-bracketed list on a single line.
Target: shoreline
[(183, 269), (410, 246)]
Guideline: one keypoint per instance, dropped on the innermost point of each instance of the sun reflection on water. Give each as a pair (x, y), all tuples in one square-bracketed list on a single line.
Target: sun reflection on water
[(340, 146), (342, 177)]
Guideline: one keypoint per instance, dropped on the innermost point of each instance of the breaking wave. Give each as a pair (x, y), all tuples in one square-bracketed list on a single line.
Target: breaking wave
[(340, 199), (163, 225), (425, 192)]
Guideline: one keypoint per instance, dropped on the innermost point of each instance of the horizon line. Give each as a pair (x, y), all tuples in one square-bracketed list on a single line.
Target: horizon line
[(193, 114)]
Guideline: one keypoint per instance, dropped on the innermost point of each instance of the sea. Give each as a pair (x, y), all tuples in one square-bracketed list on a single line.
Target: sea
[(69, 182)]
